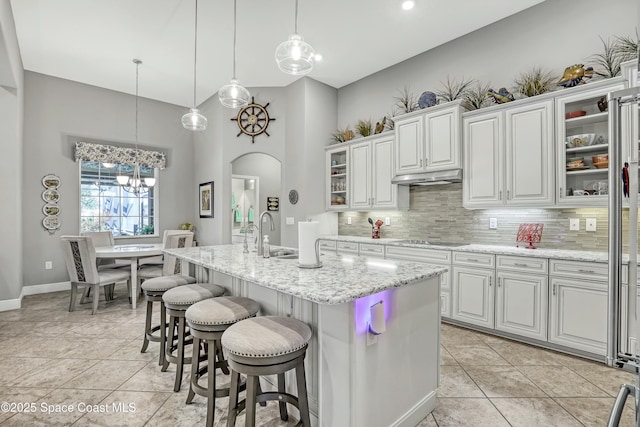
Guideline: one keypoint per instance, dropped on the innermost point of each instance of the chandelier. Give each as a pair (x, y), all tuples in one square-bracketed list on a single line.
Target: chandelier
[(134, 184)]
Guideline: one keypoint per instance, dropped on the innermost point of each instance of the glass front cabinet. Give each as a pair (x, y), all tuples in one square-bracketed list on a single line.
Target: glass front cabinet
[(582, 141), (337, 178)]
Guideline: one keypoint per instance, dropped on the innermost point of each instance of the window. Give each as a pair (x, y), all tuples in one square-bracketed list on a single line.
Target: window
[(106, 206)]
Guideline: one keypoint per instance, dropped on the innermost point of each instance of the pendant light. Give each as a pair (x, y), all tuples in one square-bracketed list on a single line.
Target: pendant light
[(234, 95), (134, 184), (295, 56), (193, 120)]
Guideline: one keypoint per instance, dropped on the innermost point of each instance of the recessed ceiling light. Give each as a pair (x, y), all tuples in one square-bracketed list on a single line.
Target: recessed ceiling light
[(318, 57), (408, 4)]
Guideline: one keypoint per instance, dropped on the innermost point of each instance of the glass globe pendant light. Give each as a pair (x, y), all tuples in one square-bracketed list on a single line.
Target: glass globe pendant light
[(234, 95), (295, 56), (193, 120)]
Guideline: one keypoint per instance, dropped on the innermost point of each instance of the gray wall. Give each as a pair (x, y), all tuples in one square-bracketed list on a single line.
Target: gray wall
[(268, 170), (11, 116), (58, 112), (554, 34)]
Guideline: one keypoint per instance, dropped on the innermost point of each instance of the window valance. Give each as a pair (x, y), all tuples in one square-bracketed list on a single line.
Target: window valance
[(123, 155)]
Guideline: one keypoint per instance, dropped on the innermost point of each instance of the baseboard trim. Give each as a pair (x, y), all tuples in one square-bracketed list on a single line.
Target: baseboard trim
[(15, 304), (46, 288), (418, 412)]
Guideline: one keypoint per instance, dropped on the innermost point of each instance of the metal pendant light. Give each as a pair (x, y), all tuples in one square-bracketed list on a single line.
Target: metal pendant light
[(193, 120), (134, 184), (234, 95), (295, 56)]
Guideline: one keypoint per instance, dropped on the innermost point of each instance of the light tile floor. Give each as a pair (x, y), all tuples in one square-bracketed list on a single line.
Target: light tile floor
[(50, 357)]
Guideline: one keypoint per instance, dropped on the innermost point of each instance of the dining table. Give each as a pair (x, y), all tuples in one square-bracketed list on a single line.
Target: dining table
[(133, 253)]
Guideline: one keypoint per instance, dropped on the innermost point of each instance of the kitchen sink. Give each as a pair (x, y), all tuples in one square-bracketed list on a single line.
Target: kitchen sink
[(283, 253), (289, 256)]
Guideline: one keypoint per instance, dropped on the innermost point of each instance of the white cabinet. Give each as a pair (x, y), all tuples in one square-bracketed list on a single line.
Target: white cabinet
[(576, 170), (578, 306), (371, 171), (428, 140), (508, 156), (521, 296), (473, 288), (337, 178)]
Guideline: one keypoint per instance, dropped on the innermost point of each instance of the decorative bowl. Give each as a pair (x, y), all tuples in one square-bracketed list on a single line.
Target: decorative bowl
[(574, 114), (581, 140), (600, 158)]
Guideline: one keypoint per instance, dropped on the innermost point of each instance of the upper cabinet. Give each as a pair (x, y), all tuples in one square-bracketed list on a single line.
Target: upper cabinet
[(582, 133), (428, 140), (359, 175), (337, 181), (371, 174), (508, 156)]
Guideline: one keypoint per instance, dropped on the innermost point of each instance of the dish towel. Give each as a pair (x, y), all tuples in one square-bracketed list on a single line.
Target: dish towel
[(238, 215), (250, 215)]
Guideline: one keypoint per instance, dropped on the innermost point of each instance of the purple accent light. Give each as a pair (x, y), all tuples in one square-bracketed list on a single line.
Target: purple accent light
[(362, 314)]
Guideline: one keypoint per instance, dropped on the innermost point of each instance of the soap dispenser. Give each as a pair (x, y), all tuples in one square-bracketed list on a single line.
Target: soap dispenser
[(265, 246)]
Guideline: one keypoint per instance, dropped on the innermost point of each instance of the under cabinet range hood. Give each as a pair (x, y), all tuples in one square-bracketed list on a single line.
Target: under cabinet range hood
[(429, 178)]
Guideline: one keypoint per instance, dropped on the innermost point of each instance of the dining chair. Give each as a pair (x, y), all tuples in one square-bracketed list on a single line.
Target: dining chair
[(103, 238), (80, 258), (158, 260)]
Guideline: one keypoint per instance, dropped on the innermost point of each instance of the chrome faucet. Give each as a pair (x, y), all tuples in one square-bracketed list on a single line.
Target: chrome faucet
[(246, 231), (272, 226)]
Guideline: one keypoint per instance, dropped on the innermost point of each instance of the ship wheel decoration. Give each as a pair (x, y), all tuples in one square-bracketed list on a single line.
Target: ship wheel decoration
[(253, 120)]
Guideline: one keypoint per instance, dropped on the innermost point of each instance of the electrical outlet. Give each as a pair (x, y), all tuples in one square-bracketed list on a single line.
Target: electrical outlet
[(48, 265), (574, 224), (387, 220), (291, 220), (591, 224), (349, 220), (493, 223)]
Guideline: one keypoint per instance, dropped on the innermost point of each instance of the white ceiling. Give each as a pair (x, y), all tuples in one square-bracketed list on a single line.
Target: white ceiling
[(95, 41)]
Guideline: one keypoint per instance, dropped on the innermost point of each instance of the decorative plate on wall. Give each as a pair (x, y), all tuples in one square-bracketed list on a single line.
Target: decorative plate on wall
[(51, 181), (51, 209), (293, 197), (51, 222), (51, 196)]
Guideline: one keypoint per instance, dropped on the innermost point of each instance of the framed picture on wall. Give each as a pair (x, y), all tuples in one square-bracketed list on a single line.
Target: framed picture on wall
[(206, 200)]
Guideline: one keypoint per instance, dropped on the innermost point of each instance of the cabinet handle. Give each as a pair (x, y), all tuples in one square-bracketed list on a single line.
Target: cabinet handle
[(586, 271), (420, 162), (472, 260), (507, 194), (517, 264), (561, 195), (490, 280), (554, 289), (500, 195), (499, 281), (426, 161)]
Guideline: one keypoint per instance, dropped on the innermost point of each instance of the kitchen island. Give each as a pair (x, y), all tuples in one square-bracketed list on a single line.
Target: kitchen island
[(354, 378)]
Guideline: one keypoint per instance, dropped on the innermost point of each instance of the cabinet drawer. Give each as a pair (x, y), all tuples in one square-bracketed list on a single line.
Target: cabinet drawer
[(347, 247), (419, 254), (328, 245), (474, 259), (531, 265), (370, 249), (581, 270)]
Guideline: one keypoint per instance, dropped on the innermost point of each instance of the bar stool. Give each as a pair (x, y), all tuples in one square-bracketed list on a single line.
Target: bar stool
[(153, 290), (267, 345), (207, 321), (177, 301)]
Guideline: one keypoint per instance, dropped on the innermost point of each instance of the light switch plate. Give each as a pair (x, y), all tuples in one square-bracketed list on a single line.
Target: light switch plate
[(349, 220), (291, 220), (387, 220), (574, 224), (48, 265), (591, 224), (493, 223)]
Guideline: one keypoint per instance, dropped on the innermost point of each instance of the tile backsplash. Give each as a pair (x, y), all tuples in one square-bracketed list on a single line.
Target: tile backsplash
[(436, 214)]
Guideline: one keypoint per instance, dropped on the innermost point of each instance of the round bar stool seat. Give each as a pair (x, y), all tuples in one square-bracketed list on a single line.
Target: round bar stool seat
[(153, 290), (177, 300), (207, 320), (267, 345)]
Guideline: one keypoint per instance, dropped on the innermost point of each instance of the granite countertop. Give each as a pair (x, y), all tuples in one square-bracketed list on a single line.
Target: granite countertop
[(341, 278), (493, 249)]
